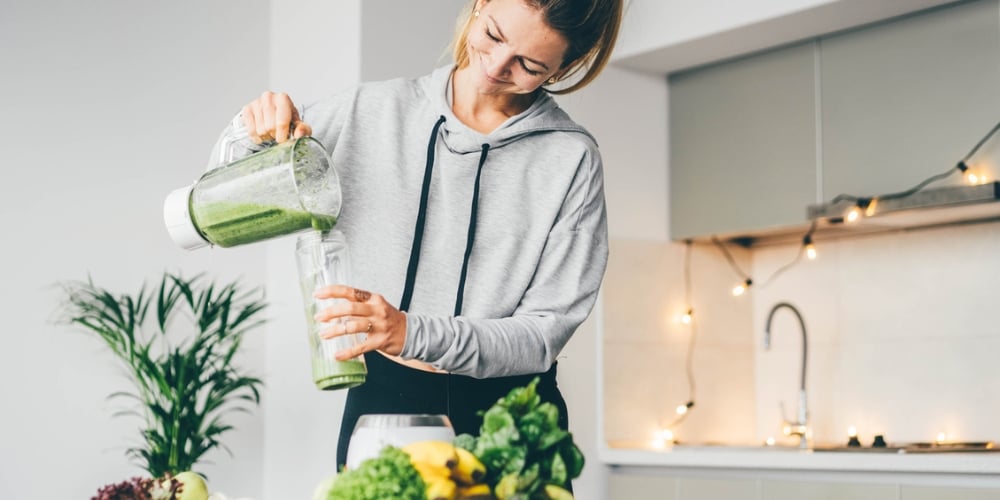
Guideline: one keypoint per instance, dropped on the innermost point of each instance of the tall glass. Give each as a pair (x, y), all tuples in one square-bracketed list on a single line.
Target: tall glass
[(323, 259)]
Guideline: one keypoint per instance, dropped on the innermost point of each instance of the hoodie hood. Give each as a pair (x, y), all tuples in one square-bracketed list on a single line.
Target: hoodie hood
[(544, 115)]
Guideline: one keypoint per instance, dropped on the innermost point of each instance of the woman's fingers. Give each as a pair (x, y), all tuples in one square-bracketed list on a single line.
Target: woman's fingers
[(284, 116), (273, 116), (349, 327), (363, 312), (343, 292)]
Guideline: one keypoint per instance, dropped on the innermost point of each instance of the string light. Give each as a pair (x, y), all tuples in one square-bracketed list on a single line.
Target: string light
[(683, 409), (808, 249), (867, 206), (665, 434), (741, 288), (687, 317), (853, 214), (809, 246)]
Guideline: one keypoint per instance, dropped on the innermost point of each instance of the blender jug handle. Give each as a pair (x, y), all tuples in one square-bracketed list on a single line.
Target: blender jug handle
[(235, 143), (234, 140)]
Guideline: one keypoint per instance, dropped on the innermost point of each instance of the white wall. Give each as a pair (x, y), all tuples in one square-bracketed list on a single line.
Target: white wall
[(406, 39), (315, 51), (107, 106)]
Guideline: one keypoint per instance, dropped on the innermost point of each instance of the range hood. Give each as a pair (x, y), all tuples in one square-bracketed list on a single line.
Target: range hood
[(928, 208)]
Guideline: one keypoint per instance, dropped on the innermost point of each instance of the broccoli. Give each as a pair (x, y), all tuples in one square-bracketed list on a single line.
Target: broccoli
[(390, 475)]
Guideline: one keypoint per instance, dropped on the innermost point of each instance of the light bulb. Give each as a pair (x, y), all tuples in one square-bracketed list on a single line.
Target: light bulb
[(941, 438), (810, 248), (686, 318), (661, 438), (853, 215), (769, 441), (975, 178), (872, 206), (741, 288), (682, 409), (852, 432)]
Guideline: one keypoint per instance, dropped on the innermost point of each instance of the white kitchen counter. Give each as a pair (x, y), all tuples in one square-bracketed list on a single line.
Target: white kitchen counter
[(972, 468)]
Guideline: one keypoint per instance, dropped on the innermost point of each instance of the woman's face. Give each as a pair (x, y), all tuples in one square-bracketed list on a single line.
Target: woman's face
[(511, 48)]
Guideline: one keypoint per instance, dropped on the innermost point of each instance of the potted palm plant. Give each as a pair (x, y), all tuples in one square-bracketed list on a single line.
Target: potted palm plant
[(185, 380)]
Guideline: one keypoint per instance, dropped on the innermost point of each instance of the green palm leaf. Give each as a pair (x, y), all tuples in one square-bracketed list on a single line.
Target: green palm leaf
[(184, 386)]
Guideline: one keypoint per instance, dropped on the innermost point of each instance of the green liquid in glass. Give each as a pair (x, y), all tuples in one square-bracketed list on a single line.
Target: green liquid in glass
[(229, 224), (330, 374)]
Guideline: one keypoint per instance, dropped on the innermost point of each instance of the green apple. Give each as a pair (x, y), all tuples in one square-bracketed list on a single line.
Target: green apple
[(193, 486)]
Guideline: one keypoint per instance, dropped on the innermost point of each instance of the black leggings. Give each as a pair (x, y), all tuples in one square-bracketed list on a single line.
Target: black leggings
[(394, 388)]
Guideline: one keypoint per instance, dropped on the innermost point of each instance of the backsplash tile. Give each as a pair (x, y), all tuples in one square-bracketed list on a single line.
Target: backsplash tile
[(901, 341)]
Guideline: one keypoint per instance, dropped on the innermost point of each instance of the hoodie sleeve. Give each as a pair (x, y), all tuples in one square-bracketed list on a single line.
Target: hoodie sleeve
[(559, 298)]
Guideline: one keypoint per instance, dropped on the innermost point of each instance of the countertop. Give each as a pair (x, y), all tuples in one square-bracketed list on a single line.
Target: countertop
[(793, 459)]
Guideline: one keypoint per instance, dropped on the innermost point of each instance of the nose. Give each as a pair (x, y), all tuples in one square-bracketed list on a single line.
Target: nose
[(498, 62)]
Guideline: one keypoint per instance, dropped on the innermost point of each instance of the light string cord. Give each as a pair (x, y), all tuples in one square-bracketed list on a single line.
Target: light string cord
[(693, 324), (960, 167), (689, 363)]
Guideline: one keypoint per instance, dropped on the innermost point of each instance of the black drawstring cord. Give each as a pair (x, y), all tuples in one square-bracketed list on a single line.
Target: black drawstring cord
[(418, 232), (472, 231)]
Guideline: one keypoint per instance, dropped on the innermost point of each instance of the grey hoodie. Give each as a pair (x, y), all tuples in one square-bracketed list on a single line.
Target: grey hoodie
[(514, 233)]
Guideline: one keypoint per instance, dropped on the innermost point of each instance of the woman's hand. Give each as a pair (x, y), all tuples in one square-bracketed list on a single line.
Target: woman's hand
[(363, 312), (271, 116)]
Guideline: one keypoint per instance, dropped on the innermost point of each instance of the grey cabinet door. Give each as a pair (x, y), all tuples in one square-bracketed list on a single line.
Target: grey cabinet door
[(743, 144), (907, 99)]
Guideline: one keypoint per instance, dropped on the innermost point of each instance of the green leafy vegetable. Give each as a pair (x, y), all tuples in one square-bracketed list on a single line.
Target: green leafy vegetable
[(389, 475), (522, 446)]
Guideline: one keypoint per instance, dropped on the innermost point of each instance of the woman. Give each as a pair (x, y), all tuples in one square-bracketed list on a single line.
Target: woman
[(474, 208)]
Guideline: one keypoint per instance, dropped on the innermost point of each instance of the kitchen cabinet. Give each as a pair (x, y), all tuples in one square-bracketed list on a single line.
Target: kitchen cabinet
[(905, 100), (742, 144), (743, 473), (622, 486), (874, 110)]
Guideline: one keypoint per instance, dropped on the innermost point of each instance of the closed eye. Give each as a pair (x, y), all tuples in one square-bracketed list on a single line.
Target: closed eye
[(491, 35), (529, 70)]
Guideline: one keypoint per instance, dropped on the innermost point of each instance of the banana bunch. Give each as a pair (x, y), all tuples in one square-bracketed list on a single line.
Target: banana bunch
[(449, 472)]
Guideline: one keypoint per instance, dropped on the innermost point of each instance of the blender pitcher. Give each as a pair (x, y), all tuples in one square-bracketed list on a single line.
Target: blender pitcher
[(284, 189), (323, 259)]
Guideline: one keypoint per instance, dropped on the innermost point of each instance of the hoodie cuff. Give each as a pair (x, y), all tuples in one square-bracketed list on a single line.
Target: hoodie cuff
[(413, 332)]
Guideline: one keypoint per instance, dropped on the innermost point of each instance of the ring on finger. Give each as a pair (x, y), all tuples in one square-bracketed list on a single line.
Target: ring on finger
[(370, 326)]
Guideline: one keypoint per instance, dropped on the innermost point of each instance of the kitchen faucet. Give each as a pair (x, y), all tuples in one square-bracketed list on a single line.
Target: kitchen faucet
[(801, 426)]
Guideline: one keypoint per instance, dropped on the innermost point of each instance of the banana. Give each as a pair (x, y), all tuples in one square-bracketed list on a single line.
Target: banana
[(474, 492), (431, 472), (469, 470), (440, 488), (433, 452), (557, 493)]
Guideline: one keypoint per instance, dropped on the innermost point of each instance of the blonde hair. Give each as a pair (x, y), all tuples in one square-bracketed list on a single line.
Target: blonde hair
[(590, 27)]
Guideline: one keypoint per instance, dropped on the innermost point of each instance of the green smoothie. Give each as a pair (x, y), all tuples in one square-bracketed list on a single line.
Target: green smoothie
[(330, 374), (228, 224)]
